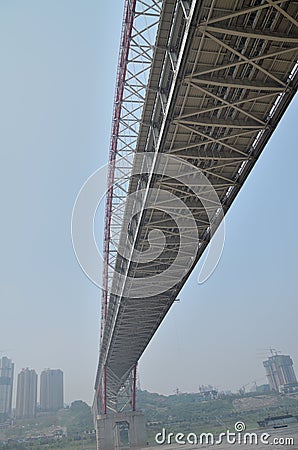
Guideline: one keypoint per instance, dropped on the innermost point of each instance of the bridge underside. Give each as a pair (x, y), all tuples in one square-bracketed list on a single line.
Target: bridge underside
[(223, 74)]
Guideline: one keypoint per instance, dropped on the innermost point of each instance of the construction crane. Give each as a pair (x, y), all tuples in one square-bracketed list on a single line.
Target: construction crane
[(242, 389)]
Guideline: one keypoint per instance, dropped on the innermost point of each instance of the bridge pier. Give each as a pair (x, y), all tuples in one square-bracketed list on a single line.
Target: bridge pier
[(117, 431)]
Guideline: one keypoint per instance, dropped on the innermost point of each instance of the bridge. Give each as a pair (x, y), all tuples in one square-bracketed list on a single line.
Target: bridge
[(201, 87)]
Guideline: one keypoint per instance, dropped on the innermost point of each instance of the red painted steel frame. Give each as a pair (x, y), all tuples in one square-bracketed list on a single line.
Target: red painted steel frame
[(134, 390), (121, 72)]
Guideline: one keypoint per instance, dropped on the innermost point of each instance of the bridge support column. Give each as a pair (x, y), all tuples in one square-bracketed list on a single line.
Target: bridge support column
[(117, 431)]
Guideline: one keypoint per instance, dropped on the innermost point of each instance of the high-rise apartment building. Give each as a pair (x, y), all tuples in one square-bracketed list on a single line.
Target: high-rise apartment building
[(26, 394), (6, 385), (280, 371), (51, 390)]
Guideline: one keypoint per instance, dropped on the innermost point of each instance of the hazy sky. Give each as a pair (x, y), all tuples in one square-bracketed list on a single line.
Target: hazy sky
[(57, 80)]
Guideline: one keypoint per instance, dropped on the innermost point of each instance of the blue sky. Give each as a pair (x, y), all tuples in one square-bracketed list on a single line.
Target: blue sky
[(57, 85)]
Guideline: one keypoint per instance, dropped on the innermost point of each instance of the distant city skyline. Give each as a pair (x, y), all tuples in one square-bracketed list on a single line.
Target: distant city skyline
[(32, 392), (58, 82), (44, 391)]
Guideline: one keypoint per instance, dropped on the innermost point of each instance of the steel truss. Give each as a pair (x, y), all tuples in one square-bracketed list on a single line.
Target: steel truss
[(222, 73), (141, 19)]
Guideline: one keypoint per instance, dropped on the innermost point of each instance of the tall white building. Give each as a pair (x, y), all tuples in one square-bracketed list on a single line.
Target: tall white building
[(51, 390), (26, 394), (6, 386), (280, 371)]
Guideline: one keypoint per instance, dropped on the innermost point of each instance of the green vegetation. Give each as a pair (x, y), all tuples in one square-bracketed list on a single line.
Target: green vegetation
[(69, 429), (176, 413), (189, 413), (77, 418), (65, 445)]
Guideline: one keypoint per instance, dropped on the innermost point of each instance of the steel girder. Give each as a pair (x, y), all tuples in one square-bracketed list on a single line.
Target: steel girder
[(222, 73)]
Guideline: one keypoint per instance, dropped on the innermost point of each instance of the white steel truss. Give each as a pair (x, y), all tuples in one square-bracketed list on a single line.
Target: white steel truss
[(140, 23)]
